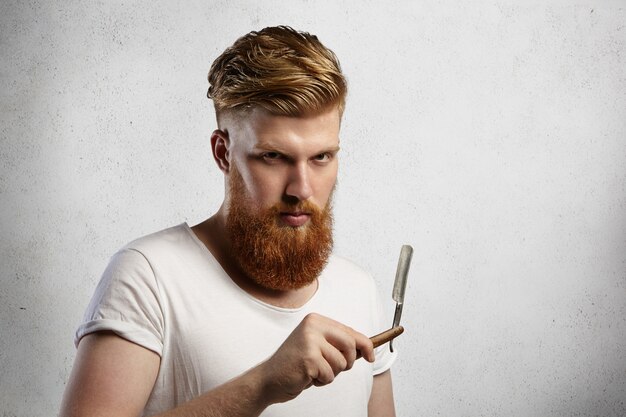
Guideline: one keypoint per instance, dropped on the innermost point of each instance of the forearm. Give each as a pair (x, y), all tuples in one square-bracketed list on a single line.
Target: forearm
[(114, 377), (381, 402), (306, 358)]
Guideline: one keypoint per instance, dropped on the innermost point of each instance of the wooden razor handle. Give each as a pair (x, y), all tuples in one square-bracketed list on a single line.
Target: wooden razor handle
[(384, 337)]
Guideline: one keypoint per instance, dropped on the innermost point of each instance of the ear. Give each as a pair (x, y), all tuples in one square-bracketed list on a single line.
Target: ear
[(220, 145)]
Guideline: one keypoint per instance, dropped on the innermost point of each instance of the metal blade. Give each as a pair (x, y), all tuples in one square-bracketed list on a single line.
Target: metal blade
[(399, 286)]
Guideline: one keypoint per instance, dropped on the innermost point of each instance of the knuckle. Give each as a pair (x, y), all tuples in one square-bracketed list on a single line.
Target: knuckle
[(352, 345), (308, 362), (311, 366), (311, 318), (349, 362), (308, 335), (343, 365), (326, 378)]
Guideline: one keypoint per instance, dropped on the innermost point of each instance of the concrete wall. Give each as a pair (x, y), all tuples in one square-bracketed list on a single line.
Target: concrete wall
[(490, 135)]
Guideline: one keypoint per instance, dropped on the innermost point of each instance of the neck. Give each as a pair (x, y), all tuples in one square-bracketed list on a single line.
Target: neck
[(212, 233)]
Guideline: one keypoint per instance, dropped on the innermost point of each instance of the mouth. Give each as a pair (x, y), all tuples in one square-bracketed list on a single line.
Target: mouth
[(295, 219)]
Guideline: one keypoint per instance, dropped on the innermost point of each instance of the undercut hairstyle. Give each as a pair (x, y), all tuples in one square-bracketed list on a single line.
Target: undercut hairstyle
[(282, 70)]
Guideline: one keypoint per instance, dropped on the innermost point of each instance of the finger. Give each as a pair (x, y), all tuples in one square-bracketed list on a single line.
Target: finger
[(345, 344), (335, 358), (349, 341), (365, 348), (384, 337), (325, 374), (343, 337)]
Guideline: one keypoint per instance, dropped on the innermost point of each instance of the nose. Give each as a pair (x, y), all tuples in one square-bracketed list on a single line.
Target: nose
[(299, 183)]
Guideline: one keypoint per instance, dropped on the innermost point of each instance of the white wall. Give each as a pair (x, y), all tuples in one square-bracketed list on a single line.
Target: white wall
[(490, 135)]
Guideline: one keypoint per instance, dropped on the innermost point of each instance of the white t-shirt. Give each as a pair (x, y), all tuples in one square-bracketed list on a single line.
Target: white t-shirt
[(167, 293)]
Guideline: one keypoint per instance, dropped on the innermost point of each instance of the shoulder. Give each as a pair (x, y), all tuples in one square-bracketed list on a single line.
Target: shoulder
[(166, 238), (168, 245), (135, 271), (140, 255)]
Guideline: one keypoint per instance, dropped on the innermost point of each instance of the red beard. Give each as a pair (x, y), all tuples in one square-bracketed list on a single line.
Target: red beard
[(275, 256)]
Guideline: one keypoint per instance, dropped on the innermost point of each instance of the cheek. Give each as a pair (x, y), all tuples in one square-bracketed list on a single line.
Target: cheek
[(325, 187), (253, 181), (266, 190)]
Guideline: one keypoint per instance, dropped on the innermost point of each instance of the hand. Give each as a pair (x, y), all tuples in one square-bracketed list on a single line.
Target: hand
[(313, 354)]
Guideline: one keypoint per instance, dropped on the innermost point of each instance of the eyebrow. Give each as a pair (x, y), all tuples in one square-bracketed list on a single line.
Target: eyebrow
[(268, 146)]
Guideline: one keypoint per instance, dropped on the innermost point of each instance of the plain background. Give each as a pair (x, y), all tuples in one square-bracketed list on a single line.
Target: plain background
[(490, 135)]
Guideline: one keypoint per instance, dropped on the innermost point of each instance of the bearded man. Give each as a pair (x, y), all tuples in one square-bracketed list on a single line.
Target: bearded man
[(247, 313)]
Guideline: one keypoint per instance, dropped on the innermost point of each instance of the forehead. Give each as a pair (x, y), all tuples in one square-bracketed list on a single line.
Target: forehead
[(260, 129)]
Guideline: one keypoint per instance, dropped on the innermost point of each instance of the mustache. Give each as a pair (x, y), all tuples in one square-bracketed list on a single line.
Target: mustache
[(301, 206)]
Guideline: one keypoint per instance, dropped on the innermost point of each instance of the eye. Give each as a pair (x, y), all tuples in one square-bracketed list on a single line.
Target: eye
[(323, 157), (271, 156)]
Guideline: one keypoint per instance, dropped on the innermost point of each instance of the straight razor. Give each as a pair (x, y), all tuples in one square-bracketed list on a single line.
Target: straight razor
[(399, 286)]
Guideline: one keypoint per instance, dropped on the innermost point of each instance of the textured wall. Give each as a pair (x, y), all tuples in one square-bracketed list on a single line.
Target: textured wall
[(489, 135)]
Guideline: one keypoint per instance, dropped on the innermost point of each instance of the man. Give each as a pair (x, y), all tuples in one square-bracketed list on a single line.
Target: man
[(247, 313)]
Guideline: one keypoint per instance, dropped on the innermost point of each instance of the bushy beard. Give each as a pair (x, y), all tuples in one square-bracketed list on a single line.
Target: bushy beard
[(276, 256)]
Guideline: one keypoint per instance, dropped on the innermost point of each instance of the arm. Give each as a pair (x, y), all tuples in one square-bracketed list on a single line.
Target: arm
[(114, 377), (381, 399), (111, 377)]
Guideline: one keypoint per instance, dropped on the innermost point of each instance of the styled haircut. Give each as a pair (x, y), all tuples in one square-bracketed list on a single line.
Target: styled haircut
[(282, 70)]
